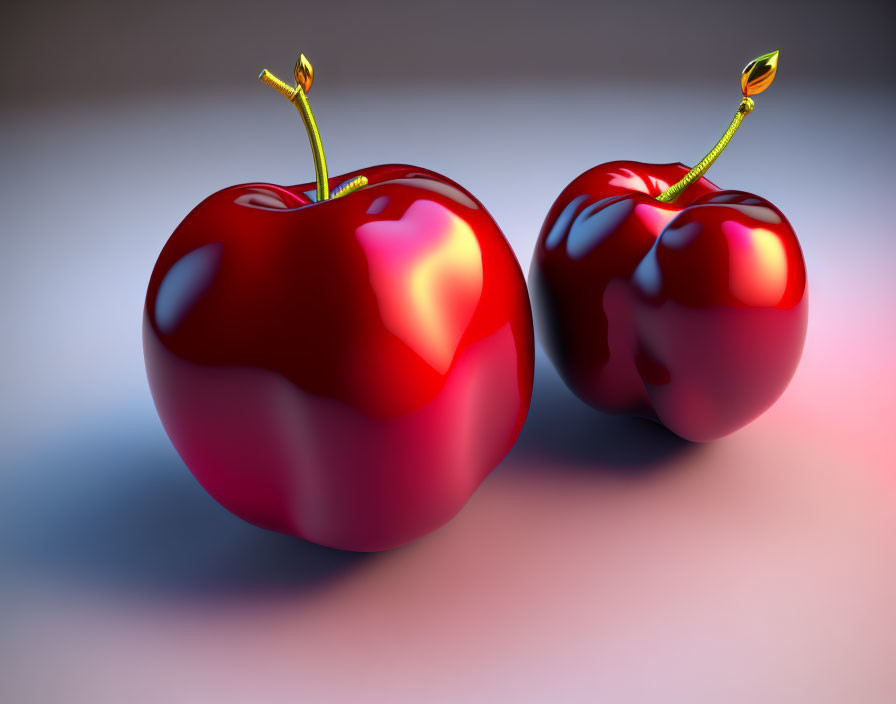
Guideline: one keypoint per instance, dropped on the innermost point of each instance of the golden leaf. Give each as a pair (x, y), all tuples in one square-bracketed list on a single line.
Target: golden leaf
[(759, 74), (304, 73)]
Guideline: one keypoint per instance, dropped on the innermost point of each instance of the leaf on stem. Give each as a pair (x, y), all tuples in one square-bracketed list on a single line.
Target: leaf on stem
[(759, 74), (304, 73)]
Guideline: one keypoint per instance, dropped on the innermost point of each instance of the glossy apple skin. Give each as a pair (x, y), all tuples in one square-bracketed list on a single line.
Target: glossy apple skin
[(346, 371), (692, 313)]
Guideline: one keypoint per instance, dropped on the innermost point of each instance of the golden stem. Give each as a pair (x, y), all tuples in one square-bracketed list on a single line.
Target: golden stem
[(671, 193), (298, 98), (757, 75), (351, 186)]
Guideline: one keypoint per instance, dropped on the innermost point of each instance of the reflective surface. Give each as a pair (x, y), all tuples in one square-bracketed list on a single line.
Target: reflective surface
[(602, 560), (346, 371), (692, 313)]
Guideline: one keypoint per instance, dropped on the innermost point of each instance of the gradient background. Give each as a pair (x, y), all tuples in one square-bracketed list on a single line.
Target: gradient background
[(604, 560)]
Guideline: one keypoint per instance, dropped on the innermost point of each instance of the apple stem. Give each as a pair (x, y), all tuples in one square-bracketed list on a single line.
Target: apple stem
[(671, 193), (297, 96), (755, 78), (350, 186)]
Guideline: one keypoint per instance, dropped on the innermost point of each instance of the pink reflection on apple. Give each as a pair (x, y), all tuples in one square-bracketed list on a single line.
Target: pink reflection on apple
[(757, 264), (426, 273)]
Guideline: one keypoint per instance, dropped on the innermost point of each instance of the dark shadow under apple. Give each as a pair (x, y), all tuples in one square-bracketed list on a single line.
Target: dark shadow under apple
[(563, 431), (112, 505)]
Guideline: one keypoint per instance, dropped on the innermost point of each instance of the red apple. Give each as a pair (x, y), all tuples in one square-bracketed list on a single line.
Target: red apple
[(347, 370), (658, 294)]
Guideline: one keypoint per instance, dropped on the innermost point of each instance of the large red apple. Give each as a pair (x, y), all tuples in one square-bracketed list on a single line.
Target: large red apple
[(349, 369)]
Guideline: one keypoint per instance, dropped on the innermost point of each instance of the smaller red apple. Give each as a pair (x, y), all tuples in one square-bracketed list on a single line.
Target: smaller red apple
[(659, 294)]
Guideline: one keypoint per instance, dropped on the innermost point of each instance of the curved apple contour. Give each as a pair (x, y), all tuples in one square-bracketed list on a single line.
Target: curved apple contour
[(290, 461), (691, 313), (670, 298), (346, 374), (734, 342)]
